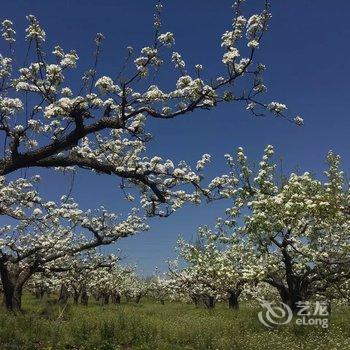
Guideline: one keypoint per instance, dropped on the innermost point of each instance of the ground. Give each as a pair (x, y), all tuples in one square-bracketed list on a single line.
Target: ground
[(149, 325)]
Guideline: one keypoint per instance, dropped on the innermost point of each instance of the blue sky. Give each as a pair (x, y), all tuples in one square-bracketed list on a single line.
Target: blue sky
[(305, 50)]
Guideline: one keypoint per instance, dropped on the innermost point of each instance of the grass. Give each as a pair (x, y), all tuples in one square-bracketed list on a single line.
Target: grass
[(149, 325)]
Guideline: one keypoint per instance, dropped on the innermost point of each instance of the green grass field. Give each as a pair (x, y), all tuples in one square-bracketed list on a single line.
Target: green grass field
[(149, 325)]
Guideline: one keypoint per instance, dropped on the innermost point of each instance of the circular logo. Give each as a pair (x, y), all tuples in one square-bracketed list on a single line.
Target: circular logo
[(274, 314)]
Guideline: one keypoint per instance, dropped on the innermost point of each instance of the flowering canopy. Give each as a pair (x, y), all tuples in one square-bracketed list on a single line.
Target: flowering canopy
[(292, 233), (45, 234), (214, 268), (298, 228), (44, 123)]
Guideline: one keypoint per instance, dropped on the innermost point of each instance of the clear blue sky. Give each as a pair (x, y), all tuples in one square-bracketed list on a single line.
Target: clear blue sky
[(306, 51)]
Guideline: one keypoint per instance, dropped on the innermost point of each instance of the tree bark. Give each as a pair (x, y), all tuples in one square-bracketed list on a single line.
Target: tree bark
[(209, 302), (76, 297), (42, 293), (195, 300), (104, 299), (233, 300), (84, 299), (13, 279), (12, 297), (292, 296), (296, 287), (116, 298), (64, 295), (138, 298)]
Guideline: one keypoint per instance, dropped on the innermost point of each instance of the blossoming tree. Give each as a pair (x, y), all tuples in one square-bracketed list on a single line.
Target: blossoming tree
[(45, 233), (216, 266), (78, 273), (102, 126), (298, 227)]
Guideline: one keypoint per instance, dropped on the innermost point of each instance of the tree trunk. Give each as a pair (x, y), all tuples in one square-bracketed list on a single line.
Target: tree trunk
[(12, 298), (296, 288), (76, 297), (84, 299), (233, 300), (42, 293), (116, 298), (209, 302), (195, 300), (64, 295), (13, 279), (138, 298), (96, 296), (104, 299), (292, 298)]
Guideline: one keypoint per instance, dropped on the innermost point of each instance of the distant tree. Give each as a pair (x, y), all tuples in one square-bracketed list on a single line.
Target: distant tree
[(109, 284), (215, 267), (159, 288)]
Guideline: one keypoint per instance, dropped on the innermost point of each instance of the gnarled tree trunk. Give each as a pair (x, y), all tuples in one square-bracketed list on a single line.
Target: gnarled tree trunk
[(292, 288), (84, 299), (76, 296), (293, 293), (64, 295), (233, 300), (116, 298), (13, 278), (195, 300), (209, 302), (104, 299), (138, 298)]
